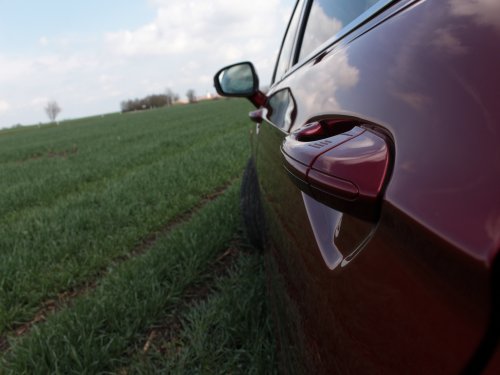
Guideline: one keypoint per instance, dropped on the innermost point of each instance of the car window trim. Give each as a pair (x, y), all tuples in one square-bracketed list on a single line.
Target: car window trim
[(291, 58), (359, 21)]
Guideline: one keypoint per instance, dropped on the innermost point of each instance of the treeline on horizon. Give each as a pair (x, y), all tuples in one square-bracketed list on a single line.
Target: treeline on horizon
[(149, 102), (155, 101)]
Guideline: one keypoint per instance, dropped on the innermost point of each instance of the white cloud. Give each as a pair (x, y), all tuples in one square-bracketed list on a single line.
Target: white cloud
[(188, 41), (32, 69), (181, 48), (4, 106), (39, 102), (14, 69), (218, 27)]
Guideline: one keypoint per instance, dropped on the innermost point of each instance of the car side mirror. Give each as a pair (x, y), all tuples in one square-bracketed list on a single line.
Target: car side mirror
[(239, 80)]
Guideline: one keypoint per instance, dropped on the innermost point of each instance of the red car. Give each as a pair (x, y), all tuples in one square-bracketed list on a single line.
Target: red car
[(374, 186)]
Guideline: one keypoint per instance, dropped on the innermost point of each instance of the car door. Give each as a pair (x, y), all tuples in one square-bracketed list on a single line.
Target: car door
[(401, 281)]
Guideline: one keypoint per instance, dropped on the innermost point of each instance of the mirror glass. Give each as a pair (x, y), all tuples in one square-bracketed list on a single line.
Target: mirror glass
[(238, 80)]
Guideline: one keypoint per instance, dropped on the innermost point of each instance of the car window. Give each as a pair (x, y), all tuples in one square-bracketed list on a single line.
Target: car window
[(285, 56), (327, 18), (281, 109)]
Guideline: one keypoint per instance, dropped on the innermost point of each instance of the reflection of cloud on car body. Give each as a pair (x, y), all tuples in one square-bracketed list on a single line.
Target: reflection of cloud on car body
[(345, 76), (493, 227), (321, 30), (413, 99), (447, 40), (484, 12)]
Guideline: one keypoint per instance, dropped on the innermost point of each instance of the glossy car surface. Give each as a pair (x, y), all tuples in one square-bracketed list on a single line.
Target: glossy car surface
[(377, 156)]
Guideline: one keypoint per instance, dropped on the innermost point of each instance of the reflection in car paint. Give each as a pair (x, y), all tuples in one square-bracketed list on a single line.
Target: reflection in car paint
[(320, 30), (324, 223), (338, 244), (357, 250), (419, 297), (281, 109), (337, 228), (484, 12), (333, 81), (327, 18)]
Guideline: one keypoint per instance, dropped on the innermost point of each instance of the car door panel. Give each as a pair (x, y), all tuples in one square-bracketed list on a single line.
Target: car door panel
[(415, 291)]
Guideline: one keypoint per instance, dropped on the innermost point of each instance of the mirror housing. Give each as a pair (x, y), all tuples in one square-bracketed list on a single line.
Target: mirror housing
[(240, 80)]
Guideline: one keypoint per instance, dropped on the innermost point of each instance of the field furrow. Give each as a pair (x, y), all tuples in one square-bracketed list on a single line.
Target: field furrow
[(223, 331), (117, 246), (64, 298), (94, 333), (45, 250), (70, 167)]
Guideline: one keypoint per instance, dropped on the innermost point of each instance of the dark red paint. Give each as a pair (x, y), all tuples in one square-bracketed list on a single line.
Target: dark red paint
[(413, 289), (362, 160), (346, 171)]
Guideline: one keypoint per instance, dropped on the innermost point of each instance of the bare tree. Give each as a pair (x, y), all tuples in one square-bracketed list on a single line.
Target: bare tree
[(171, 96), (52, 110), (191, 95)]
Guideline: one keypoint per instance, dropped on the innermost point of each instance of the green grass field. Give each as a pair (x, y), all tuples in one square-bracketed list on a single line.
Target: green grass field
[(121, 247)]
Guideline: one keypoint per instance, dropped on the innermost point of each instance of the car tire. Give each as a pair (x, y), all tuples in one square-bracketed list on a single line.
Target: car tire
[(250, 205)]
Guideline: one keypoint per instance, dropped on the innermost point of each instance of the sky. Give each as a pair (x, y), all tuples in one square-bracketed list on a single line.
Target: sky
[(89, 55)]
